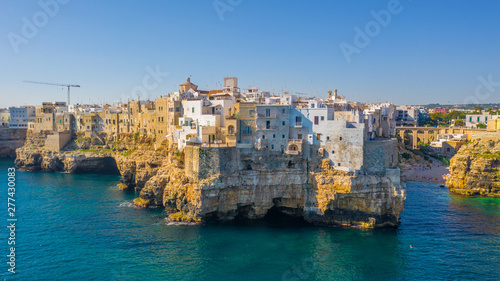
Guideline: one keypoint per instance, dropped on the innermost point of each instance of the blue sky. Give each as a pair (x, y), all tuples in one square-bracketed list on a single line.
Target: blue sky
[(429, 51)]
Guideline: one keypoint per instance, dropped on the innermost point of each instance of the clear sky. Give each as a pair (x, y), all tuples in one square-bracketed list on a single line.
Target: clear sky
[(427, 52)]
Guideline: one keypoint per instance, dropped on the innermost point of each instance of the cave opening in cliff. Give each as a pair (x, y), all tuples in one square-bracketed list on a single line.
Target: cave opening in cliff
[(104, 165), (285, 217)]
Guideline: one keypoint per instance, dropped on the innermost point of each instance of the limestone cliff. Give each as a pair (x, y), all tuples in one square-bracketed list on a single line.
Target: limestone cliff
[(475, 169), (10, 140), (132, 156), (222, 184), (286, 184)]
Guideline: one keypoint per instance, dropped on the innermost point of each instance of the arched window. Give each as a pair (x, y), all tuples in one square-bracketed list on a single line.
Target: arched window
[(230, 130)]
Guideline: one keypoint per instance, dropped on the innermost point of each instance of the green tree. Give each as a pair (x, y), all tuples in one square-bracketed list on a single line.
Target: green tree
[(481, 126)]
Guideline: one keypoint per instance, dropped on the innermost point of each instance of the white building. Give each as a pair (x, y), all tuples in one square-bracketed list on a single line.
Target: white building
[(472, 120), (310, 123), (20, 116), (407, 115), (255, 95)]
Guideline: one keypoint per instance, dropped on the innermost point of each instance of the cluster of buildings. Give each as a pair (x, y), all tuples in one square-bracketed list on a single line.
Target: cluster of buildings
[(247, 118)]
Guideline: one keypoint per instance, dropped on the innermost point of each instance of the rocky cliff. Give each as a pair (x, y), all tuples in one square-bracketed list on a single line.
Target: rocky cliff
[(222, 184), (10, 140), (475, 169), (274, 183)]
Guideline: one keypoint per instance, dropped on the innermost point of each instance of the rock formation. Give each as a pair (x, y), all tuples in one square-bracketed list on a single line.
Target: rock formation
[(475, 169), (10, 140), (221, 184)]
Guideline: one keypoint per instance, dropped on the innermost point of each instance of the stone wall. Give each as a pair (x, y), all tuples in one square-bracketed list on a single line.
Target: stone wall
[(57, 141), (203, 162), (378, 155), (10, 140)]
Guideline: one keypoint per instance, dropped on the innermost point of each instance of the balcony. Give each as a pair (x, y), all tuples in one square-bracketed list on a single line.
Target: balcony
[(231, 117), (298, 124), (263, 115)]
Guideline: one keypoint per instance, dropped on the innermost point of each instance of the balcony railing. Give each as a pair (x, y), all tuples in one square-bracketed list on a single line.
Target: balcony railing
[(298, 124), (263, 115)]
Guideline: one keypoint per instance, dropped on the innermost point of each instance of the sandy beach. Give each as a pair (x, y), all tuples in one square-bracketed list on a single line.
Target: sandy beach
[(425, 173)]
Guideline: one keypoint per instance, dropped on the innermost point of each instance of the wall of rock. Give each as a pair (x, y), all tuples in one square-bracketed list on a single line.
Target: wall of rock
[(475, 169), (222, 184), (10, 140)]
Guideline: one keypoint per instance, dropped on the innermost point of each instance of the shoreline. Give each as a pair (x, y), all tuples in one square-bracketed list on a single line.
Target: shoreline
[(431, 173)]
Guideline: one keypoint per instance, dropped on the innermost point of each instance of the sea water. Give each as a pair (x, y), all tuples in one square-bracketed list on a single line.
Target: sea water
[(82, 227)]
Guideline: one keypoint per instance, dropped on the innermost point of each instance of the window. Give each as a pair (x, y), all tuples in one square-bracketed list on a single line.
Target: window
[(268, 125), (283, 110), (338, 164), (340, 138), (298, 121), (251, 113), (248, 130), (283, 123), (316, 120), (318, 137), (322, 118), (283, 136), (268, 112), (274, 136), (327, 138), (299, 136), (263, 137), (333, 151), (192, 110), (272, 146)]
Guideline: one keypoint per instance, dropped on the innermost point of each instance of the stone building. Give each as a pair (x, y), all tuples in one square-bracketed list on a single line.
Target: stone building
[(245, 125), (4, 117), (187, 86), (272, 126)]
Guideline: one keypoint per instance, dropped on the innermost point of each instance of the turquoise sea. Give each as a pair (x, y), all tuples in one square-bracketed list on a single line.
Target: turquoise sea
[(81, 227)]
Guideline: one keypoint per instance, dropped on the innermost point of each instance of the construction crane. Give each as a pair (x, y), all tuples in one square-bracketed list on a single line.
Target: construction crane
[(55, 84)]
